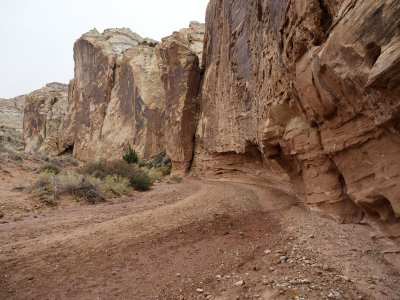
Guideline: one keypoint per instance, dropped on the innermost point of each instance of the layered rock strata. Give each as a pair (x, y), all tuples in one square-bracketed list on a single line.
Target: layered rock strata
[(44, 114), (312, 86)]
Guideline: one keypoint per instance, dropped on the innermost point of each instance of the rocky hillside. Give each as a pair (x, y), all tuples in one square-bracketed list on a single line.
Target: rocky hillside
[(302, 95)]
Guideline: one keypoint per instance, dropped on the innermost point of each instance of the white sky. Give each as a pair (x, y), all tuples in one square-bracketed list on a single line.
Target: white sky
[(37, 36)]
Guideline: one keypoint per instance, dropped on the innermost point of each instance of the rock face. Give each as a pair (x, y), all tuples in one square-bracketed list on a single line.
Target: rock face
[(180, 54), (44, 113), (116, 97), (11, 117), (312, 86)]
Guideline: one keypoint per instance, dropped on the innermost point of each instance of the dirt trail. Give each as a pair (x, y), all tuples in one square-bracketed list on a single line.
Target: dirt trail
[(192, 240)]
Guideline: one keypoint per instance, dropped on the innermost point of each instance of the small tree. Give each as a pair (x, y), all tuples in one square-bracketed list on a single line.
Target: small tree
[(131, 157)]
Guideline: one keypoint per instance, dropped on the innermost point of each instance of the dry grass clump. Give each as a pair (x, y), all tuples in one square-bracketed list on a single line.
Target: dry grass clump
[(50, 186)]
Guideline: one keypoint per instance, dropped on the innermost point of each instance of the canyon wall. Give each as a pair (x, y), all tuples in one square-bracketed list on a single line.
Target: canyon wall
[(312, 86), (301, 95), (44, 113)]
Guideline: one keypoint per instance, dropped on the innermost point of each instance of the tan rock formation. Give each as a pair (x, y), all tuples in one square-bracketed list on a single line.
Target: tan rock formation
[(116, 97), (313, 86), (11, 117), (44, 113), (181, 76)]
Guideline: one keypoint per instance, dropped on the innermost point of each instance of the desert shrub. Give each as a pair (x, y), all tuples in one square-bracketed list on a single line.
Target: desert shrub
[(140, 181), (155, 175), (112, 168), (97, 169), (1, 138), (117, 185), (176, 178), (131, 157), (44, 188), (165, 170), (49, 186), (49, 168), (85, 187), (9, 139)]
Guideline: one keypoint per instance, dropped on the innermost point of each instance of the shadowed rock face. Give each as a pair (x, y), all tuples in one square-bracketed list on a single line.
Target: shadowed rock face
[(116, 97), (44, 113), (312, 86)]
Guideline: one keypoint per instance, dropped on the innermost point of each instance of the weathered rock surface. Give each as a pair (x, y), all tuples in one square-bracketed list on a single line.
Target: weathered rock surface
[(181, 53), (44, 114), (116, 97), (11, 117), (312, 86)]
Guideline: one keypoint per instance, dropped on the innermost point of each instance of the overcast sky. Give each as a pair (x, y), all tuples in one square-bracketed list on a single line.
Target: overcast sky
[(37, 36)]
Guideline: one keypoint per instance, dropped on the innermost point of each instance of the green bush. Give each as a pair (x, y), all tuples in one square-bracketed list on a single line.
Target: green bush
[(9, 139), (131, 157), (140, 181), (49, 168)]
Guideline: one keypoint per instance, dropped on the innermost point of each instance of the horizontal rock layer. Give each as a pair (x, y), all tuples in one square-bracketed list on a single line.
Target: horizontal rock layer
[(312, 86)]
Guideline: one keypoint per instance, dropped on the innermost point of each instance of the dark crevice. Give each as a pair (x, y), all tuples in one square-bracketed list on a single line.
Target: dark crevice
[(373, 51), (326, 19), (69, 150)]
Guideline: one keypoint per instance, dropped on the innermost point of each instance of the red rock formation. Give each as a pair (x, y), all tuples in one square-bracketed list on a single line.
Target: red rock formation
[(313, 86)]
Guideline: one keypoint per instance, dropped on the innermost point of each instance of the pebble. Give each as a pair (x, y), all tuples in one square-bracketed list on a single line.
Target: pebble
[(199, 290), (267, 252), (346, 278), (239, 283), (325, 268), (311, 236)]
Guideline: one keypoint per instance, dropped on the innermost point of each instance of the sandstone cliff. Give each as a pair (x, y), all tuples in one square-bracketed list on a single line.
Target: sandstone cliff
[(312, 86), (116, 97), (44, 113)]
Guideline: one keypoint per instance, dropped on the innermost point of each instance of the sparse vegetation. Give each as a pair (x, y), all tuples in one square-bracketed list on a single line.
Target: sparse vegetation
[(49, 186), (9, 139), (112, 168), (176, 178), (49, 168)]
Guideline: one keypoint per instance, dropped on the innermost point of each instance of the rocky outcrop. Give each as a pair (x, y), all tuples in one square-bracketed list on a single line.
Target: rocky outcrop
[(11, 117), (116, 97), (181, 55), (44, 114), (312, 86)]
